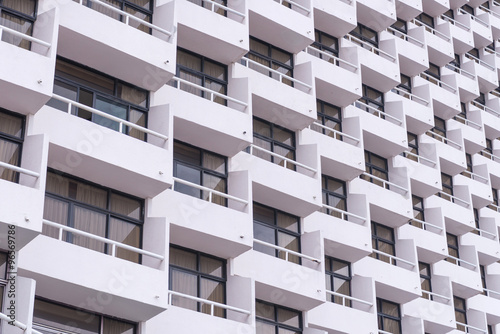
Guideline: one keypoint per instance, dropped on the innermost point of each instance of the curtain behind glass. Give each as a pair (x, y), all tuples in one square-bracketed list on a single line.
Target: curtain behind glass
[(126, 233), (125, 206), (185, 283), (24, 6), (18, 24), (213, 291), (57, 212), (91, 222), (112, 326), (9, 153)]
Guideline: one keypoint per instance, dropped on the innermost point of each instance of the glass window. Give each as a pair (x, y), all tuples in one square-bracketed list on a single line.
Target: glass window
[(19, 15), (460, 313), (334, 195), (104, 93), (200, 167), (433, 71), (272, 318), (482, 270), (377, 166), (468, 9), (425, 20), (371, 98), (94, 209), (401, 28), (447, 189), (270, 56), (338, 279), (418, 212), (199, 275), (488, 150), (274, 138), (369, 37), (412, 147), (331, 117), (439, 130), (389, 316), (452, 241), (425, 279), (276, 228), (208, 5), (405, 85), (383, 240), (201, 71), (449, 13), (11, 142), (326, 43)]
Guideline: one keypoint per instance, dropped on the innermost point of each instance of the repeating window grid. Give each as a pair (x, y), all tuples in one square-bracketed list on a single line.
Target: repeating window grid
[(389, 322), (21, 21), (274, 143), (326, 43), (453, 248), (272, 318), (383, 244), (205, 173), (374, 99), (460, 312), (365, 34), (418, 212), (200, 275), (334, 197), (330, 116), (14, 140), (377, 166), (205, 79), (336, 281), (277, 231), (425, 279)]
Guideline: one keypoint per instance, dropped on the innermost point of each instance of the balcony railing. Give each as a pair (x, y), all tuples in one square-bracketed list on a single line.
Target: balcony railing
[(114, 244), (454, 22), (479, 61), (420, 159), (468, 122), (461, 71), (211, 192), (120, 121), (410, 96), (286, 251), (440, 83), (468, 328), (246, 62), (431, 30), (491, 293), (475, 176), (485, 108), (129, 17), (23, 36), (385, 184), (294, 5), (474, 18), (376, 112), (393, 259), (431, 295), (344, 215), (214, 6), (212, 304), (494, 207), (17, 324), (460, 262), (453, 199), (19, 169), (346, 297), (425, 225), (383, 332), (443, 139), (327, 57), (370, 47), (405, 37), (487, 10), (211, 94), (336, 134), (485, 233), (285, 159)]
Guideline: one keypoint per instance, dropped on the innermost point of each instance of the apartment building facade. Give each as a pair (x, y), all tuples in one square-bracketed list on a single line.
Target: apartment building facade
[(249, 166)]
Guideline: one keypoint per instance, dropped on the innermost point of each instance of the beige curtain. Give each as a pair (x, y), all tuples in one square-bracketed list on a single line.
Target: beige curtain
[(125, 206), (112, 326), (9, 153), (57, 212), (127, 233), (91, 222)]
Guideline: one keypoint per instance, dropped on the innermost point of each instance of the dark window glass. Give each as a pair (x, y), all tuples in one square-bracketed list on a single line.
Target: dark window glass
[(425, 279), (447, 190), (389, 316), (482, 270), (439, 130), (50, 317), (277, 228), (476, 221), (412, 147), (103, 93), (481, 99), (276, 319), (405, 84), (330, 116), (273, 138), (200, 167), (338, 279), (383, 240), (455, 64), (473, 54), (377, 166), (93, 209), (374, 99), (368, 36), (433, 71), (460, 313), (400, 26), (334, 195), (203, 72), (198, 275), (452, 241), (495, 196), (19, 15), (326, 43), (425, 19), (11, 142), (488, 150), (418, 211), (270, 56), (208, 5), (449, 13), (468, 9)]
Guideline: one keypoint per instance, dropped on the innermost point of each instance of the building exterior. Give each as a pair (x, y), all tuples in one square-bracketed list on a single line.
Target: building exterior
[(249, 166)]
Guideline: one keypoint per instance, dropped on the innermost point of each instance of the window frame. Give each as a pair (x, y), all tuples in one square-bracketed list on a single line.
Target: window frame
[(19, 15), (277, 325), (482, 272), (326, 192), (427, 278), (331, 277), (360, 35), (381, 316), (322, 47), (323, 118), (376, 239), (369, 167), (460, 311), (420, 210), (422, 17), (453, 248), (447, 189), (123, 4), (15, 140)]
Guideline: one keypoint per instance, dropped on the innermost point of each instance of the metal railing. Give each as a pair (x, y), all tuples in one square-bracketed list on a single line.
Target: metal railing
[(494, 207), (346, 215), (474, 18), (295, 4), (212, 304), (285, 159), (468, 122), (17, 324), (491, 292), (419, 158), (210, 191), (287, 251), (469, 327), (335, 132), (461, 71), (425, 224), (431, 30), (385, 184), (485, 233), (114, 244), (453, 199), (393, 258), (212, 93), (410, 96), (337, 61), (383, 332), (214, 6), (485, 108), (433, 294), (475, 176), (435, 81), (479, 61), (23, 36), (460, 261), (120, 121), (129, 16), (280, 75), (19, 169), (487, 10), (405, 37), (346, 297), (443, 139), (455, 22), (370, 47), (376, 112)]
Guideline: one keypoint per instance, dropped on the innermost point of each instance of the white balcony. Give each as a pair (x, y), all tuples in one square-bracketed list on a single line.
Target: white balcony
[(456, 211), (485, 70), (336, 17), (417, 107), (435, 7), (485, 239), (149, 59), (376, 14), (472, 130), (490, 114), (23, 301), (412, 51), (28, 75), (450, 150), (478, 184), (466, 79), (487, 304), (438, 40), (480, 27), (202, 29), (423, 171), (81, 147), (461, 33), (408, 9), (295, 25), (443, 93)]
